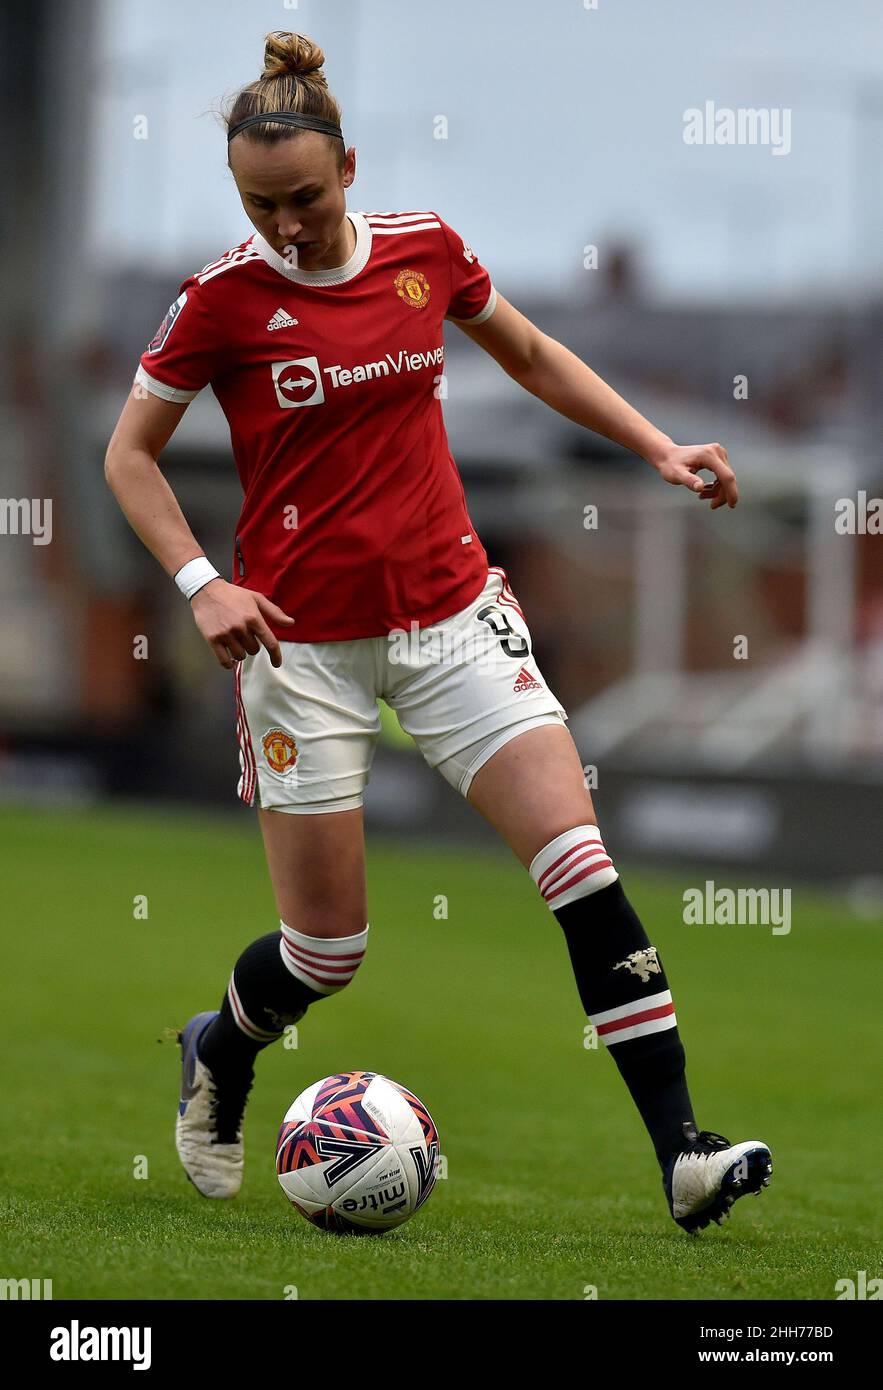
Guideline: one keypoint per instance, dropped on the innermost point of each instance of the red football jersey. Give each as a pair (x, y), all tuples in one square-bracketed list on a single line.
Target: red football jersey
[(354, 519)]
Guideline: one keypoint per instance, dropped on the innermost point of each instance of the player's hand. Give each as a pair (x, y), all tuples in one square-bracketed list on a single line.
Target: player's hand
[(233, 621), (679, 464)]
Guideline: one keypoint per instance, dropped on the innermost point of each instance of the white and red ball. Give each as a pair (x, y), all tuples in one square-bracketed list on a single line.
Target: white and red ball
[(357, 1152)]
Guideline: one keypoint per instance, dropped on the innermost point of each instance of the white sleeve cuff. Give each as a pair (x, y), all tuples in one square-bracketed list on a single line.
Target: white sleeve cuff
[(485, 313), (159, 388)]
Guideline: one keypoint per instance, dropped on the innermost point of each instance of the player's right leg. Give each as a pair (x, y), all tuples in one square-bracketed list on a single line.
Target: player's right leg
[(307, 733)]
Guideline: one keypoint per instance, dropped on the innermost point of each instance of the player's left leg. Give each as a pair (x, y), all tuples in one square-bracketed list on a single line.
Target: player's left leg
[(532, 789)]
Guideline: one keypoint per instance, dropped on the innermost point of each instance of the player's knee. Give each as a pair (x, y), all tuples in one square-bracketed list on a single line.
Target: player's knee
[(572, 866), (323, 963)]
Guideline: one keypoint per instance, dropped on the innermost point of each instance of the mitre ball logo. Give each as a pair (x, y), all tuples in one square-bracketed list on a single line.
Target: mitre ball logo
[(280, 750), (298, 382), (413, 287)]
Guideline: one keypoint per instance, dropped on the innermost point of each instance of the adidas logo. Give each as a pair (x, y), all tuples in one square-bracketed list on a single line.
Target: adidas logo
[(525, 681), (280, 320)]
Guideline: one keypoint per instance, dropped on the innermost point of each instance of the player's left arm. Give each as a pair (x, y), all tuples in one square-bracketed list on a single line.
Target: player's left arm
[(557, 376)]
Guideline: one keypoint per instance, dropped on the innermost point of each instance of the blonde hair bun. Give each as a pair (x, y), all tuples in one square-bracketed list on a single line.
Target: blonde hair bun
[(286, 52)]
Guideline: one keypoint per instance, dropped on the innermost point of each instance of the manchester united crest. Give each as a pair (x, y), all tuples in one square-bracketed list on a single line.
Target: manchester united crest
[(280, 750), (413, 287)]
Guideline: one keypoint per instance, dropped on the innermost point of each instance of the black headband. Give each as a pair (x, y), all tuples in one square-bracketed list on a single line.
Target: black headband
[(290, 118)]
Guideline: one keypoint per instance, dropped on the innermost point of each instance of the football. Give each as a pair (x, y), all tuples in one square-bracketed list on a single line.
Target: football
[(357, 1152)]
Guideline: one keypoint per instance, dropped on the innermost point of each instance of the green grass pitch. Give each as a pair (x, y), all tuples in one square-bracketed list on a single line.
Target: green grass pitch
[(551, 1183)]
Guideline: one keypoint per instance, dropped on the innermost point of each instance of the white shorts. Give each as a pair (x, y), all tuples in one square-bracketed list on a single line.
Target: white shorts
[(461, 688)]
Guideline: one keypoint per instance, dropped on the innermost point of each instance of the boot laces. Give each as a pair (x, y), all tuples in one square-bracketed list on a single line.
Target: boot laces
[(227, 1107), (714, 1141)]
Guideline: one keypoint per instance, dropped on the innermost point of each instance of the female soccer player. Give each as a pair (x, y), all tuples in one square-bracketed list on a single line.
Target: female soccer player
[(357, 574)]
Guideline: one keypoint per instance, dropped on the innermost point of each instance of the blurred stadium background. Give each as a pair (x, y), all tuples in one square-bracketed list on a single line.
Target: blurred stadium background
[(714, 264)]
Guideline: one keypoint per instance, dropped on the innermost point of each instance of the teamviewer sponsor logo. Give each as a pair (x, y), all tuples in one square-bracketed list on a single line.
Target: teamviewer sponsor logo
[(298, 382), (388, 365)]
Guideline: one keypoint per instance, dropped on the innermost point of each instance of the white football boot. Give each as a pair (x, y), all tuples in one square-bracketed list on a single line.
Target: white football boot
[(705, 1178), (208, 1130)]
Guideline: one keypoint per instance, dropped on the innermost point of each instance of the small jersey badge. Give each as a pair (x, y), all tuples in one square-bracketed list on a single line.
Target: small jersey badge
[(158, 341), (280, 750), (413, 287)]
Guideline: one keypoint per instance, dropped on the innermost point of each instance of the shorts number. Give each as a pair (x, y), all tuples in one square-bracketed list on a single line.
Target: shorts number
[(512, 642)]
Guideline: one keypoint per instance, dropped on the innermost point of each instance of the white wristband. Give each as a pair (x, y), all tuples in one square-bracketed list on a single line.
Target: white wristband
[(195, 575)]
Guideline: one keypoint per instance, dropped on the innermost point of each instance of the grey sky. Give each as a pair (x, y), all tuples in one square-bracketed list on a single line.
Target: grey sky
[(565, 127)]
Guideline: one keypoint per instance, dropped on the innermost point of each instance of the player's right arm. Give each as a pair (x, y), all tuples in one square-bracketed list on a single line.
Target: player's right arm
[(232, 619)]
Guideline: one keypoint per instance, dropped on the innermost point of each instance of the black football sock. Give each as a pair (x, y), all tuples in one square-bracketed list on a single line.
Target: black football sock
[(262, 999), (620, 978), (274, 982)]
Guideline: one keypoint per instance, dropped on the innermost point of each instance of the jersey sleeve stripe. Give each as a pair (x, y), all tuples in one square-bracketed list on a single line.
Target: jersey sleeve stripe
[(159, 388), (236, 258), (405, 227), (395, 218)]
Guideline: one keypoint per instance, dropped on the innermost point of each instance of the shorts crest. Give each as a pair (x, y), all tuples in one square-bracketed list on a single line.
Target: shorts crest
[(280, 750)]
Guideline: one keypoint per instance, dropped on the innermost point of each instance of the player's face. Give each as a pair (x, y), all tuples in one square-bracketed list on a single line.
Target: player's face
[(293, 193)]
